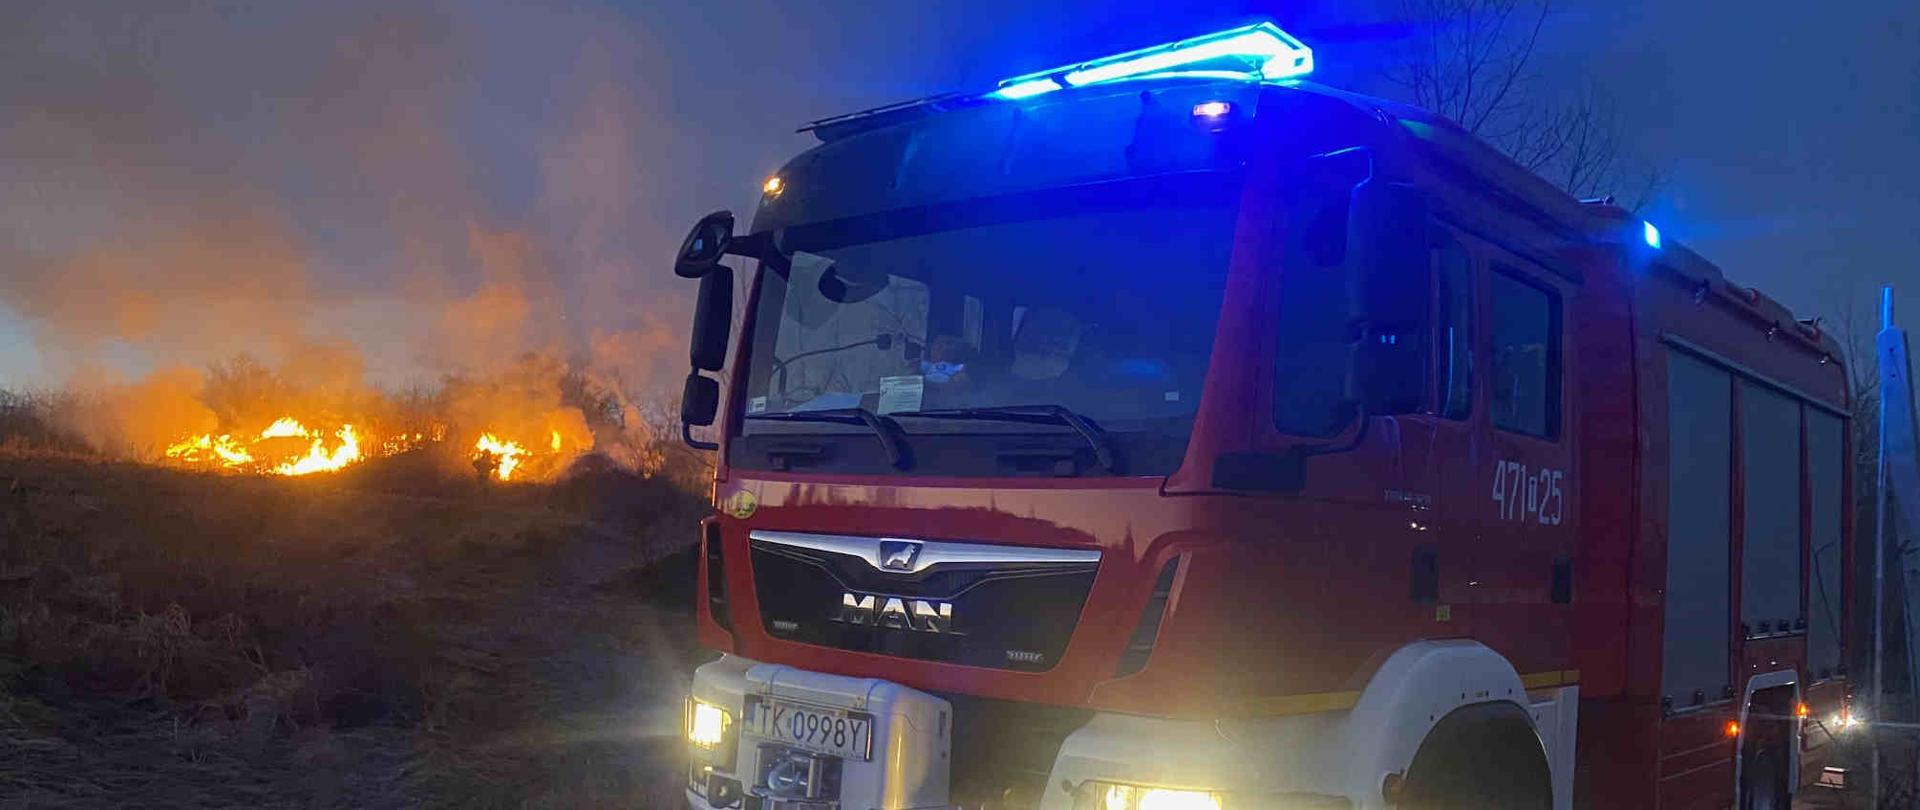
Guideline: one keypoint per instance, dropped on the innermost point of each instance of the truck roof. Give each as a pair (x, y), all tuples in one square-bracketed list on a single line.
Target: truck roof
[(1438, 140)]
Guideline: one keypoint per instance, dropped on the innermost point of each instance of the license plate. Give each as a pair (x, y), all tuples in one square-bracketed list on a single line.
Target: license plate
[(811, 728)]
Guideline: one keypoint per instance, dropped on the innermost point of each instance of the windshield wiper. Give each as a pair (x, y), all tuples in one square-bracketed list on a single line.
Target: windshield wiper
[(1033, 415), (884, 429)]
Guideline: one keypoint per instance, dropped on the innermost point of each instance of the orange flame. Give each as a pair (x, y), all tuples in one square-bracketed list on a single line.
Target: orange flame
[(230, 453), (506, 454), (206, 448), (319, 460), (274, 451), (284, 427)]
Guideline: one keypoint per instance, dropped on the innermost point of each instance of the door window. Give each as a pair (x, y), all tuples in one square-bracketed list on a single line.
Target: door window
[(1455, 331), (1525, 362)]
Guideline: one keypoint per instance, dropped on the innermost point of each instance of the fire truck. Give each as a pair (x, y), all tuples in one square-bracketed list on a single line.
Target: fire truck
[(1168, 431)]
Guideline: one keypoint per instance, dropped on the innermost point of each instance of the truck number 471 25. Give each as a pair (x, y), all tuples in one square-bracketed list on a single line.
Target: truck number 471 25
[(1522, 494)]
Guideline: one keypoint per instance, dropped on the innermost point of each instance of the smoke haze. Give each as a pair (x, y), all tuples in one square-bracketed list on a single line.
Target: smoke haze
[(193, 180), (358, 195)]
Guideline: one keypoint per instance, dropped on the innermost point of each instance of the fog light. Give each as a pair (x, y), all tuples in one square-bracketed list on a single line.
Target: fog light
[(1162, 799), (1111, 796), (707, 724)]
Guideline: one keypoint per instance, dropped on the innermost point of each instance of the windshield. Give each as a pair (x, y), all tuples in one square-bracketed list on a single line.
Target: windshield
[(1108, 311)]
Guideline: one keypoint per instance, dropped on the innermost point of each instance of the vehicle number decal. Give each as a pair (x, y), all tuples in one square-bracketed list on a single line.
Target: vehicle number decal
[(1528, 495)]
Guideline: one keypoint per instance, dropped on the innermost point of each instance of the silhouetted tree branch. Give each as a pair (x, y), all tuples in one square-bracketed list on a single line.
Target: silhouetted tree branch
[(1471, 61), (1856, 335)]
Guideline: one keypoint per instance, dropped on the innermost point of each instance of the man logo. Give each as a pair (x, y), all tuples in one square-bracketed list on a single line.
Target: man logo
[(898, 555), (896, 613)]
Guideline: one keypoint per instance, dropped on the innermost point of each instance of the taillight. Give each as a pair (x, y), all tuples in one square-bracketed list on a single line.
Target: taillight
[(716, 574), (1147, 632)]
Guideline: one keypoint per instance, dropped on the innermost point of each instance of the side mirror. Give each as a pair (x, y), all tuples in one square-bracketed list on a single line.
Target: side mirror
[(701, 251), (699, 404), (710, 240), (1387, 255), (712, 320), (699, 400)]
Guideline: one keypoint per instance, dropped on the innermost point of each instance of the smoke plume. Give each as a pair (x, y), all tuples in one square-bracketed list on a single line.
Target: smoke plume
[(219, 212)]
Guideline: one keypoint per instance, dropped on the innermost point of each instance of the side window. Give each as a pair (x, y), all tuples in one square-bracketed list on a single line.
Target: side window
[(1525, 356), (1310, 396), (1455, 331)]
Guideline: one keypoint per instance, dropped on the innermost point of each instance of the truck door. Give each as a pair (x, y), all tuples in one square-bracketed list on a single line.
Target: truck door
[(1449, 531), (1519, 586)]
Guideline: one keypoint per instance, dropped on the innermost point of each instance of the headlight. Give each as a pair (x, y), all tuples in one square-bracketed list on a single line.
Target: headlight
[(707, 724), (1111, 796)]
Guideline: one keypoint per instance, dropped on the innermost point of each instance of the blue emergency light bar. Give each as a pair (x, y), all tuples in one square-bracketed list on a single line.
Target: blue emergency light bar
[(1258, 51), (1254, 52)]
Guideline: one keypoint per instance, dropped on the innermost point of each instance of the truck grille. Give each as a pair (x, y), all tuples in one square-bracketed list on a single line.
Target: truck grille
[(1005, 607)]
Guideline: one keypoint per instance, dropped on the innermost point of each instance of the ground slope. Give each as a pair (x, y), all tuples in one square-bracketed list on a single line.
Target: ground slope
[(385, 638)]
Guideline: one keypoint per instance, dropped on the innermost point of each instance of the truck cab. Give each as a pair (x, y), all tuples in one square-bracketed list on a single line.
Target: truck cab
[(1167, 431)]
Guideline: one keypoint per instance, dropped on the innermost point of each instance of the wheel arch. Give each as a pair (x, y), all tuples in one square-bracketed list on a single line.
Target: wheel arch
[(1411, 694), (1484, 756)]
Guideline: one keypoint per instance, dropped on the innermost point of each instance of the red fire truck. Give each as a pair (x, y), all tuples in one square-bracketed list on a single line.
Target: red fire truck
[(1166, 431)]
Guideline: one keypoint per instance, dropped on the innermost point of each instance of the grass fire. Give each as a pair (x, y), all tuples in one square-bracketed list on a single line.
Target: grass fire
[(525, 421), (333, 461), (232, 583), (259, 454), (288, 447)]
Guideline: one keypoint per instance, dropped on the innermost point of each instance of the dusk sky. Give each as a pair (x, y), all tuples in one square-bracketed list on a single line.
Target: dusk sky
[(338, 166)]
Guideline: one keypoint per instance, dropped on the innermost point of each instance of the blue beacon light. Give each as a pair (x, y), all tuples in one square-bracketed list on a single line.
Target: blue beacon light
[(1015, 92), (1651, 234), (1259, 51)]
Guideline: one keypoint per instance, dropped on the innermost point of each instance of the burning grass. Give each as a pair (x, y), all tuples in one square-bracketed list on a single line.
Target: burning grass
[(290, 448), (525, 420), (389, 635)]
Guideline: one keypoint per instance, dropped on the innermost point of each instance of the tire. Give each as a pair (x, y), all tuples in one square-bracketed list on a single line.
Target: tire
[(1481, 757)]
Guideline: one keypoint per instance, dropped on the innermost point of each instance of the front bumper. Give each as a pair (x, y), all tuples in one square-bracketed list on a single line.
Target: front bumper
[(911, 739), (1270, 764)]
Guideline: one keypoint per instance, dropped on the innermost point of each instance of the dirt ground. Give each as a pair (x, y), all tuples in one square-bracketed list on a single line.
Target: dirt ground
[(387, 638)]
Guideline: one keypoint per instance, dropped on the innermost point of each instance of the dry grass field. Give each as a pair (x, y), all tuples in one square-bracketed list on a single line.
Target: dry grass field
[(383, 637)]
